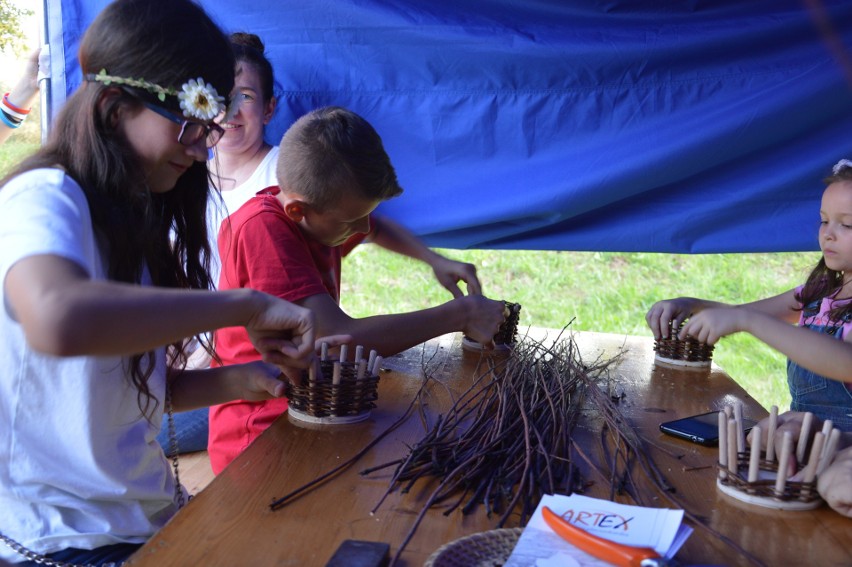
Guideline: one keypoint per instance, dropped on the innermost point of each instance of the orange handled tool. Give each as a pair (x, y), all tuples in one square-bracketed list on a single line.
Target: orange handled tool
[(602, 548)]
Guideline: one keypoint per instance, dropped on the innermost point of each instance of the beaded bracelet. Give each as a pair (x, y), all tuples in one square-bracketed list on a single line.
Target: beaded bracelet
[(15, 109), (4, 118)]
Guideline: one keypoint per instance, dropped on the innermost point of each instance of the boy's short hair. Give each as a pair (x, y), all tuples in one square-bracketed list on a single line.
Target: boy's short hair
[(331, 150)]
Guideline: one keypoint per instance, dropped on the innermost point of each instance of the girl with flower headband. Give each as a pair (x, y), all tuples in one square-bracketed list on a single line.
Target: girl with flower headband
[(819, 348), (104, 264)]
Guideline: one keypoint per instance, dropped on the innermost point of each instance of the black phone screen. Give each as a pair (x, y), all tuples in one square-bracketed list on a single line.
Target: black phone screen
[(702, 429)]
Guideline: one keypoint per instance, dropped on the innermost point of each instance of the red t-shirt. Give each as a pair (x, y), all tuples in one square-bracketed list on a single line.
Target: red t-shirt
[(261, 248)]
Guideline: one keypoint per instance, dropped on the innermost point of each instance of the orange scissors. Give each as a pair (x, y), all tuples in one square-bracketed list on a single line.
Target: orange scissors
[(610, 551)]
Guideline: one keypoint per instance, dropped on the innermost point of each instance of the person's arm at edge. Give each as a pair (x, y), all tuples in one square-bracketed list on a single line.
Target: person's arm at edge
[(24, 93)]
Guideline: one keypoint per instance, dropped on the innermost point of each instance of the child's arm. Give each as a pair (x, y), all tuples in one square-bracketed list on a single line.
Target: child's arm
[(676, 310), (477, 316), (23, 95), (253, 381), (65, 313), (396, 238), (816, 352)]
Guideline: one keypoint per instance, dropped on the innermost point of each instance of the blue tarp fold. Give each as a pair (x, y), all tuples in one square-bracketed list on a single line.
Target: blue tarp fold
[(565, 125)]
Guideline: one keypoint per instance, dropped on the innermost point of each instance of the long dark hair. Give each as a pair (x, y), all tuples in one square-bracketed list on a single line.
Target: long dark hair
[(822, 281), (165, 42)]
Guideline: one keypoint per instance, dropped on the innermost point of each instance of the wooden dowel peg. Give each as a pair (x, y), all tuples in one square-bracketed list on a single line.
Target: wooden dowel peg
[(813, 460), (324, 352), (770, 434), (344, 352), (362, 369), (371, 361), (313, 371), (828, 451), (377, 365), (754, 457), (733, 460), (738, 416), (335, 375), (723, 444), (807, 423), (783, 463), (359, 353)]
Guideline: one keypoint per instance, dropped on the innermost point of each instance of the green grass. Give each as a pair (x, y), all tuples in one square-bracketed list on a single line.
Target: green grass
[(606, 292)]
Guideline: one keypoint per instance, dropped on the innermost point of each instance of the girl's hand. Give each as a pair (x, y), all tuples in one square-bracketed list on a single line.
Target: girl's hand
[(835, 483), (451, 272), (283, 333), (672, 311), (710, 325), (484, 317), (259, 381), (295, 376)]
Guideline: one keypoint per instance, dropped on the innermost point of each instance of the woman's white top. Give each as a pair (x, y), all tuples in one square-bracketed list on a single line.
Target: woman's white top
[(219, 209), (79, 464)]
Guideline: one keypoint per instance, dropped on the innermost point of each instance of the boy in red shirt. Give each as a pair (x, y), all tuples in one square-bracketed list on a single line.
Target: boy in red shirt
[(333, 172)]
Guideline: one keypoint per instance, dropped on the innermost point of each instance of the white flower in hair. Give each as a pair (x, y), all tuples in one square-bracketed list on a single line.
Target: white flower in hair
[(200, 100), (840, 166)]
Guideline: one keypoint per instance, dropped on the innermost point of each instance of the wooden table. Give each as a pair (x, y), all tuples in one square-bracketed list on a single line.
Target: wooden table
[(230, 522)]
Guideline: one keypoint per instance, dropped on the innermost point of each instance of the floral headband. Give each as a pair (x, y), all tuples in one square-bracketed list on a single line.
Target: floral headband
[(840, 166), (197, 98)]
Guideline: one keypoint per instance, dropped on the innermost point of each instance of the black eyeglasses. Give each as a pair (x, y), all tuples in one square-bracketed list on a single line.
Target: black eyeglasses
[(191, 132)]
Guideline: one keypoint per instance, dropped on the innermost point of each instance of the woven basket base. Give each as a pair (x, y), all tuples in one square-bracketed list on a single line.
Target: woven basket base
[(485, 549), (766, 501)]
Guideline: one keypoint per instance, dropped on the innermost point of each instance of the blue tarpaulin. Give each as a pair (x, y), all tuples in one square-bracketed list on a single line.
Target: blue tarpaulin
[(636, 125)]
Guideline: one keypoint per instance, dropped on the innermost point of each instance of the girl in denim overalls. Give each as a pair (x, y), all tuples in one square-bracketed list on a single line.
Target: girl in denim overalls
[(819, 348)]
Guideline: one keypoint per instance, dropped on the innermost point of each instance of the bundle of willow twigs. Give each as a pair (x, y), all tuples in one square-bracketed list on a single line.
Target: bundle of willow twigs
[(507, 440)]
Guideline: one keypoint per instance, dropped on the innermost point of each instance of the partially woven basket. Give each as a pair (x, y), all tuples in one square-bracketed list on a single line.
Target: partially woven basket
[(485, 549), (688, 353), (507, 334), (323, 401)]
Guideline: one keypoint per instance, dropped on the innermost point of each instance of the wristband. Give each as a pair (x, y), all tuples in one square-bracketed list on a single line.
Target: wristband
[(4, 118), (11, 106), (11, 113)]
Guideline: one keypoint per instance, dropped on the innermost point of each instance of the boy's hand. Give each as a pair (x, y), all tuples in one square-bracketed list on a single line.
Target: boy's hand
[(835, 483), (484, 317), (283, 333), (451, 272)]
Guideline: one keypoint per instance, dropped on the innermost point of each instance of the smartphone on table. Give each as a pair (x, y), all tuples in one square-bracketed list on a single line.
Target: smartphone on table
[(702, 428)]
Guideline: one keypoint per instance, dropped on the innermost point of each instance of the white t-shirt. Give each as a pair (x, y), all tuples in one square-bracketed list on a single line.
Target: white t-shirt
[(79, 464), (263, 176)]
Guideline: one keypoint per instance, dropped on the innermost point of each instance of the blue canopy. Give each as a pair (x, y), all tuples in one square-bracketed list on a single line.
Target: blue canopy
[(633, 125)]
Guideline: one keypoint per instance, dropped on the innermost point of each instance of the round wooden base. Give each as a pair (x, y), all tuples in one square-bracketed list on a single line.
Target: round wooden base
[(473, 346), (297, 416), (765, 501), (699, 364)]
